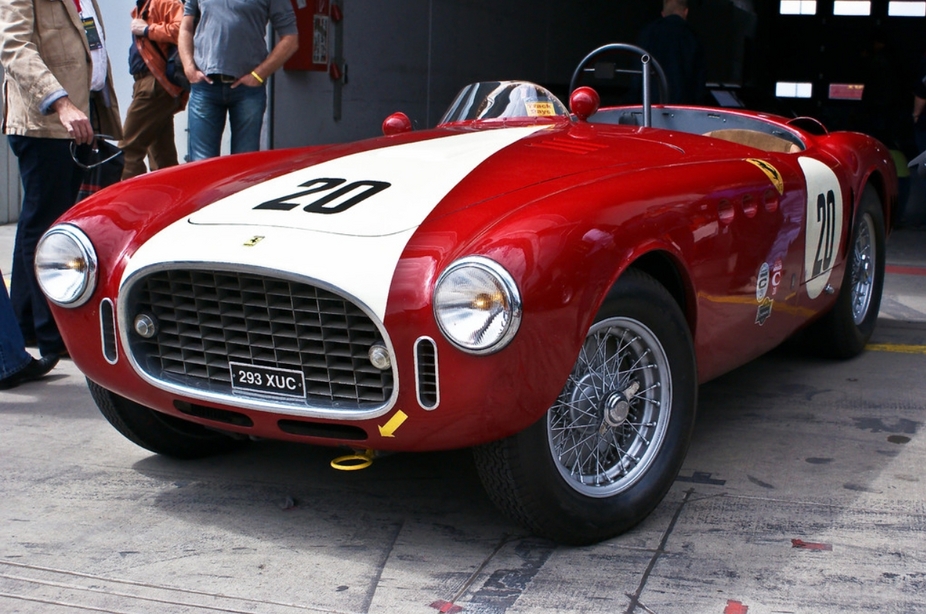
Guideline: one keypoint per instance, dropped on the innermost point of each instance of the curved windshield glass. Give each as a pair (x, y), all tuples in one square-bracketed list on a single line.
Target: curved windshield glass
[(504, 100)]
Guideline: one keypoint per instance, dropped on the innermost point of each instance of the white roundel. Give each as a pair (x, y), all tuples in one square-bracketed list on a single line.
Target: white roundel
[(823, 224)]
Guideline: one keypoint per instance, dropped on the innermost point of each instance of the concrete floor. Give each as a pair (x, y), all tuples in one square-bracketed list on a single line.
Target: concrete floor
[(802, 492)]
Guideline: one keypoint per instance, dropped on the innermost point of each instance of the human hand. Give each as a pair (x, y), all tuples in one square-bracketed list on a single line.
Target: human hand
[(248, 80), (74, 120), (196, 75), (139, 26)]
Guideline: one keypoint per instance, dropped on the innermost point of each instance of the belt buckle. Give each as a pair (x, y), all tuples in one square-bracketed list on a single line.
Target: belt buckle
[(226, 79)]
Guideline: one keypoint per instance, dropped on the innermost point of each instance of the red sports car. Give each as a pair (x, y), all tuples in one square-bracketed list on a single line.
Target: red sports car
[(546, 286)]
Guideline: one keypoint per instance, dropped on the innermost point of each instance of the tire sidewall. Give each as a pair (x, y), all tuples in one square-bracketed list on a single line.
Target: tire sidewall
[(869, 205), (841, 336), (640, 298)]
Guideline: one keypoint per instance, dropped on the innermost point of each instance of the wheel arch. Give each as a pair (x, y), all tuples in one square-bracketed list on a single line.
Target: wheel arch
[(879, 183), (668, 271)]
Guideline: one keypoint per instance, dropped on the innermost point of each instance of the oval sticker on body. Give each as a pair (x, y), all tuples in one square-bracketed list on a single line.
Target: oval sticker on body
[(823, 224)]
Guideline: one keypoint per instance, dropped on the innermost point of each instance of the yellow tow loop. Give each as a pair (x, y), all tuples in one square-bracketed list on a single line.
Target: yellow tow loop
[(353, 462)]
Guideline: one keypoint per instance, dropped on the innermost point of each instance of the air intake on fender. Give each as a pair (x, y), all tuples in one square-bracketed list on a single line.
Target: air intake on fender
[(426, 373), (108, 331)]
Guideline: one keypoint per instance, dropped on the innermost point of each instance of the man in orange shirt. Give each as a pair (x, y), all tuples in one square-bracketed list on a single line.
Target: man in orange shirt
[(149, 120)]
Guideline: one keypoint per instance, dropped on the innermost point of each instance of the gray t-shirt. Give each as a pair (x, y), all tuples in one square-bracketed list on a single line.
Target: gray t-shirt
[(230, 36)]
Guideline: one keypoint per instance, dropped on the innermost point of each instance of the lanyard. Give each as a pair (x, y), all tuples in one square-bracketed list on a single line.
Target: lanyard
[(79, 10)]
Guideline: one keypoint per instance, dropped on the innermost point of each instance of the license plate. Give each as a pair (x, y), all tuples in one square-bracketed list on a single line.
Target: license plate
[(267, 380)]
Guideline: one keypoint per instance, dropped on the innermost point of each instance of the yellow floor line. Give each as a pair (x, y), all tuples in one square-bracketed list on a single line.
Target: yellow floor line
[(896, 348)]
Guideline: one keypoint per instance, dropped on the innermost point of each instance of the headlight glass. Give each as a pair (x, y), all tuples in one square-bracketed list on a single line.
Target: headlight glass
[(66, 266), (477, 305)]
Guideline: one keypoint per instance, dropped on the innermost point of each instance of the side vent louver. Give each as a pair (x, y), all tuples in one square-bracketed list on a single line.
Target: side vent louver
[(426, 377), (108, 331)]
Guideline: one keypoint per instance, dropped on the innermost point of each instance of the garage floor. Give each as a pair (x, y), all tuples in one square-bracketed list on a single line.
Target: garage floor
[(803, 491)]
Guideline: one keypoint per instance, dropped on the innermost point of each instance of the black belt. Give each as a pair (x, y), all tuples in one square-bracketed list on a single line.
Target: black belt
[(222, 78)]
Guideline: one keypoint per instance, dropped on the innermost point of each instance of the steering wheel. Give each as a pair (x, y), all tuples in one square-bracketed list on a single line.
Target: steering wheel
[(646, 61)]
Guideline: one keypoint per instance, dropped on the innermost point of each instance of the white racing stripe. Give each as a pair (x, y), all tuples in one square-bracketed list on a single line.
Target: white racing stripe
[(411, 180), (357, 247)]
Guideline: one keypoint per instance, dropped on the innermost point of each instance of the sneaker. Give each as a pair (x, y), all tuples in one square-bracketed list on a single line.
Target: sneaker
[(37, 369)]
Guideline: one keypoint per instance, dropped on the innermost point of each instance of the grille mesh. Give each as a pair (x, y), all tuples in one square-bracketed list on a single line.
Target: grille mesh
[(206, 319)]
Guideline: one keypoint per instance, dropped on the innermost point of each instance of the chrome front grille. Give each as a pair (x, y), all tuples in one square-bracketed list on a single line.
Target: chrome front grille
[(205, 319)]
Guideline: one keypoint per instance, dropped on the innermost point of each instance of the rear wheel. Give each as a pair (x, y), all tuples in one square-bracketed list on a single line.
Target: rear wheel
[(608, 450), (157, 432), (844, 331)]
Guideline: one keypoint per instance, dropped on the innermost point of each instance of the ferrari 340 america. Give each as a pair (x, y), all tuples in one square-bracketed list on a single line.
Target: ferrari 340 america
[(546, 285)]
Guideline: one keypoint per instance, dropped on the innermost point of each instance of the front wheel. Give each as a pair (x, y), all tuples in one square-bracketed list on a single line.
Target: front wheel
[(157, 432), (609, 448)]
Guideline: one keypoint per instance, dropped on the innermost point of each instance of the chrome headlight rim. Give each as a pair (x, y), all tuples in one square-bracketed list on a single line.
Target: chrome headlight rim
[(87, 254), (504, 281)]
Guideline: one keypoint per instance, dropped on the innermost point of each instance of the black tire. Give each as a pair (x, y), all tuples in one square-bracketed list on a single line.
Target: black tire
[(846, 329), (620, 467), (158, 432)]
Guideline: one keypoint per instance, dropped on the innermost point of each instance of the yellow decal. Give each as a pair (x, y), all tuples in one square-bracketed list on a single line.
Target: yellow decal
[(539, 109), (771, 172), (253, 241), (389, 429)]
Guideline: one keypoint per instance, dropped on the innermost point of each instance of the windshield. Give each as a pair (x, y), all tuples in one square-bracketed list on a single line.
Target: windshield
[(503, 100)]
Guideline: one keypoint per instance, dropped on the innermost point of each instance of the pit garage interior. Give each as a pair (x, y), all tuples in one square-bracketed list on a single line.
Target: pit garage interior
[(803, 490)]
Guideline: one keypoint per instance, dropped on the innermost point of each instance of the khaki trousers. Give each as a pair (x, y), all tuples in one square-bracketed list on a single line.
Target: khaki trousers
[(149, 128)]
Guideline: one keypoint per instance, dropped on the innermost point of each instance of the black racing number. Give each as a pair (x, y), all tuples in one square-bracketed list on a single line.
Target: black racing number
[(335, 197), (826, 245)]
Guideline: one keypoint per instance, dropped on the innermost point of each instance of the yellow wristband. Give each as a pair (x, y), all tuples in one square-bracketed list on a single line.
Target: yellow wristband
[(257, 76)]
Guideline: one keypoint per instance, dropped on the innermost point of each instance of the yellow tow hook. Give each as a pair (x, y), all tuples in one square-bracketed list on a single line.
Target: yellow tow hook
[(354, 462)]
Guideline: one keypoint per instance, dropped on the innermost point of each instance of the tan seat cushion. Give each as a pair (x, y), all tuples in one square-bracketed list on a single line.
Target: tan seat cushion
[(754, 138)]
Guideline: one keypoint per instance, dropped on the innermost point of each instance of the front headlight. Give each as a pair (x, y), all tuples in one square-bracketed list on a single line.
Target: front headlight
[(66, 265), (477, 305)]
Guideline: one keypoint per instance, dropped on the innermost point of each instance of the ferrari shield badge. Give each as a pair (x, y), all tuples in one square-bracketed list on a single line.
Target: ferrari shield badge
[(771, 172)]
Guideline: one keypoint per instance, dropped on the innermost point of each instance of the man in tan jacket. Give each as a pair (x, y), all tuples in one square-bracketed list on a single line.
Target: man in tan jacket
[(57, 88)]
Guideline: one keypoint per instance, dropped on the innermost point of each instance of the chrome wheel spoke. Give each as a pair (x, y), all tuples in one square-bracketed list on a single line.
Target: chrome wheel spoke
[(622, 368), (861, 276)]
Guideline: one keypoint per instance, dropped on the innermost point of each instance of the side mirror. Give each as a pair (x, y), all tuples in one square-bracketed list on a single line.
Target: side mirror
[(397, 123), (584, 102)]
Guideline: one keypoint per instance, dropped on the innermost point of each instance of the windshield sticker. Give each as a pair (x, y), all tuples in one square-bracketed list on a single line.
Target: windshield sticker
[(539, 109)]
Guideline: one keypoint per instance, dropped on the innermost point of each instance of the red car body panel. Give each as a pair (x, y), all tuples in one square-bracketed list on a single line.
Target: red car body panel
[(565, 211)]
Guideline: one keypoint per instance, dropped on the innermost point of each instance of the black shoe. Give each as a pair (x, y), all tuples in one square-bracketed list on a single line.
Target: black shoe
[(36, 369)]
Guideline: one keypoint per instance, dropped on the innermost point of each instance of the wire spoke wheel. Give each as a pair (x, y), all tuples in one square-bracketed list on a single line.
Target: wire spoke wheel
[(610, 420), (607, 451), (863, 267)]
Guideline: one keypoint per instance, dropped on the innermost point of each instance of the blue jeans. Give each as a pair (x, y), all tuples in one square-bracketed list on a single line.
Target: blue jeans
[(13, 355), (208, 107)]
